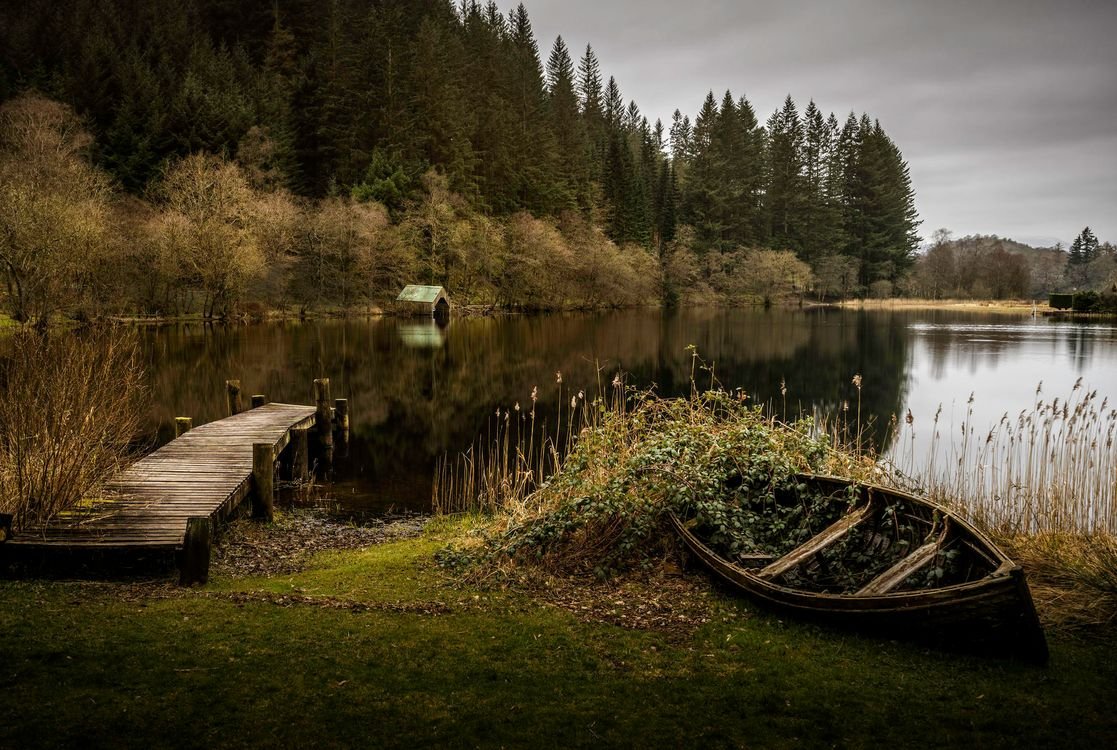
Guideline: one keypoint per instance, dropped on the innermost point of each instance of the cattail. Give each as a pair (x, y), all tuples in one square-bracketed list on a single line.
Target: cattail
[(558, 377), (857, 381)]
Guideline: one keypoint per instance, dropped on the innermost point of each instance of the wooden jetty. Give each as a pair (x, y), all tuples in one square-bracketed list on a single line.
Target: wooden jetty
[(173, 498)]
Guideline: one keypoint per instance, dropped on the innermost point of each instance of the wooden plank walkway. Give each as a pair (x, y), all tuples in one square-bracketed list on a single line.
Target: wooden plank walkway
[(205, 472)]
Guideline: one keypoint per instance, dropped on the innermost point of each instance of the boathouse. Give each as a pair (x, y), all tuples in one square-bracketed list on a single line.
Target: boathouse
[(424, 300)]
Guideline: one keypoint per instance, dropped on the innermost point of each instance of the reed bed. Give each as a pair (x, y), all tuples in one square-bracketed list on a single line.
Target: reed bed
[(503, 469), (1050, 469)]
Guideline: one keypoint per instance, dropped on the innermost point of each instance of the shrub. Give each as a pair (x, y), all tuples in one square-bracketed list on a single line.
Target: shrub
[(1085, 302), (70, 407), (603, 510)]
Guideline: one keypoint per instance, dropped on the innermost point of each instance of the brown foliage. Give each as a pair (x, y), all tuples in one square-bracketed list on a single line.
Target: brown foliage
[(53, 208), (70, 407), (204, 235)]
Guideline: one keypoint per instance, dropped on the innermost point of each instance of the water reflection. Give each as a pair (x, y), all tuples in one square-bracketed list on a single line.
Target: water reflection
[(425, 334), (417, 390)]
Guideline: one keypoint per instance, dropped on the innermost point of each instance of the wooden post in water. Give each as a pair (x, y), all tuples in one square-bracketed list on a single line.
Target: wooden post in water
[(300, 460), (323, 420), (263, 474), (341, 422), (341, 415), (194, 564), (232, 392), (259, 399), (183, 425)]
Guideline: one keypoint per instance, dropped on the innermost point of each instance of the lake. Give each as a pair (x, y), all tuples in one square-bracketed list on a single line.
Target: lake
[(418, 390)]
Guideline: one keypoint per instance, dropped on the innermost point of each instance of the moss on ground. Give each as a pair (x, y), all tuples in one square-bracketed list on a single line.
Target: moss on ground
[(378, 647)]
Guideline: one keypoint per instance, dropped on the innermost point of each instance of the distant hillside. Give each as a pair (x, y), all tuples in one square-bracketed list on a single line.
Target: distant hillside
[(977, 242)]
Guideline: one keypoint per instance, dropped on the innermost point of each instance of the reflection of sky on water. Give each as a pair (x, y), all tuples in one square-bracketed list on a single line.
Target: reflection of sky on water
[(1001, 364)]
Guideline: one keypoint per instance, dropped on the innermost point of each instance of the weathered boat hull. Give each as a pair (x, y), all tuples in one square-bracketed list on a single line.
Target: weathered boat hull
[(994, 613)]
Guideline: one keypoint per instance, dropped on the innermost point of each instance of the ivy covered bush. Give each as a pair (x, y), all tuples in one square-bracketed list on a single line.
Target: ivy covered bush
[(711, 458)]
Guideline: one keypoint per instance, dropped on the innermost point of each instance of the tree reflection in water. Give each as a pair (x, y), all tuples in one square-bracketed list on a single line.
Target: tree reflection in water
[(418, 390)]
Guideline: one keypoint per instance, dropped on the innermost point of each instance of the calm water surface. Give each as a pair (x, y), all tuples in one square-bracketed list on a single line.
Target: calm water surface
[(417, 391)]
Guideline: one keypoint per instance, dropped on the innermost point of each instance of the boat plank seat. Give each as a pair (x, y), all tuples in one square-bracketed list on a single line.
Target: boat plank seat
[(913, 562), (817, 543)]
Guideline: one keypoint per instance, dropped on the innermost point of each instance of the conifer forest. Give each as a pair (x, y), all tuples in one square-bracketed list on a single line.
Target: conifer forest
[(218, 157)]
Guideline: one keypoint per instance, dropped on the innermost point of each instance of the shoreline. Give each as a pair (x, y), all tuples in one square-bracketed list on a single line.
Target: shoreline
[(1008, 307)]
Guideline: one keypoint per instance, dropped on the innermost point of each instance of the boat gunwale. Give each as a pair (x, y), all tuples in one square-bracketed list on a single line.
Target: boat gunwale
[(991, 584)]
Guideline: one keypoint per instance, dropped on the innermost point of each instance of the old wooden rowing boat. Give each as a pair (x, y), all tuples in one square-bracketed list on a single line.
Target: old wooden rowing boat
[(886, 561)]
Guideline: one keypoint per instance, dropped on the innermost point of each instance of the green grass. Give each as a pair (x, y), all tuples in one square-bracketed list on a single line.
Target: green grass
[(84, 664)]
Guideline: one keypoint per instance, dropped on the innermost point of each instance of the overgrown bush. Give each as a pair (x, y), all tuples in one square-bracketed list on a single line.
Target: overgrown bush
[(604, 510), (70, 408)]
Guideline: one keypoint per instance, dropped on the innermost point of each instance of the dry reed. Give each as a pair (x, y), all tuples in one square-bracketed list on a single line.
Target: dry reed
[(70, 410), (502, 471), (1050, 469)]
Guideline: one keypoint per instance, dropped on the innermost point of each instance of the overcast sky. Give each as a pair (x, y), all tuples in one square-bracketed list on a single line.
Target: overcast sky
[(1006, 110)]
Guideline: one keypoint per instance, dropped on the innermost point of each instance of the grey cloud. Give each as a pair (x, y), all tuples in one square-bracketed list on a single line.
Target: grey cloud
[(1005, 109)]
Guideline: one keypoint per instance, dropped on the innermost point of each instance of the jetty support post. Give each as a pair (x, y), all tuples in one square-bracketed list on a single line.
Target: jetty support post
[(300, 454), (341, 415), (183, 425), (263, 474), (194, 563), (259, 399), (323, 420), (341, 423), (232, 394)]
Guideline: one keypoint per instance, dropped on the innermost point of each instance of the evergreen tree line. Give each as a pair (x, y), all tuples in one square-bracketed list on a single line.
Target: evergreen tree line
[(378, 101)]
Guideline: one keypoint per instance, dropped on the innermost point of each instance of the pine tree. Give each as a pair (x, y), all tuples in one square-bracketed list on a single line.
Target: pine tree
[(437, 105), (819, 221), (681, 146), (882, 221), (614, 106), (590, 94), (1089, 245), (533, 146), (705, 193), (750, 167), (569, 129), (784, 195)]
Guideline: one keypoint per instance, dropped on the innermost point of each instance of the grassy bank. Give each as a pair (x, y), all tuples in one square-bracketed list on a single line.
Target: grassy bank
[(378, 647), (1009, 306)]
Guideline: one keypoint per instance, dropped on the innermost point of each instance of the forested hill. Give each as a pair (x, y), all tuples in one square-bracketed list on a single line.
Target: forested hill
[(363, 97)]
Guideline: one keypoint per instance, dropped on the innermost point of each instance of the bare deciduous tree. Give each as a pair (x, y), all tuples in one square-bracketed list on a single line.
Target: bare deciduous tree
[(204, 234), (53, 207)]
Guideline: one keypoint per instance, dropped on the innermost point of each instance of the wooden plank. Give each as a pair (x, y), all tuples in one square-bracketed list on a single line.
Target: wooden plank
[(911, 563), (201, 474), (817, 543)]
